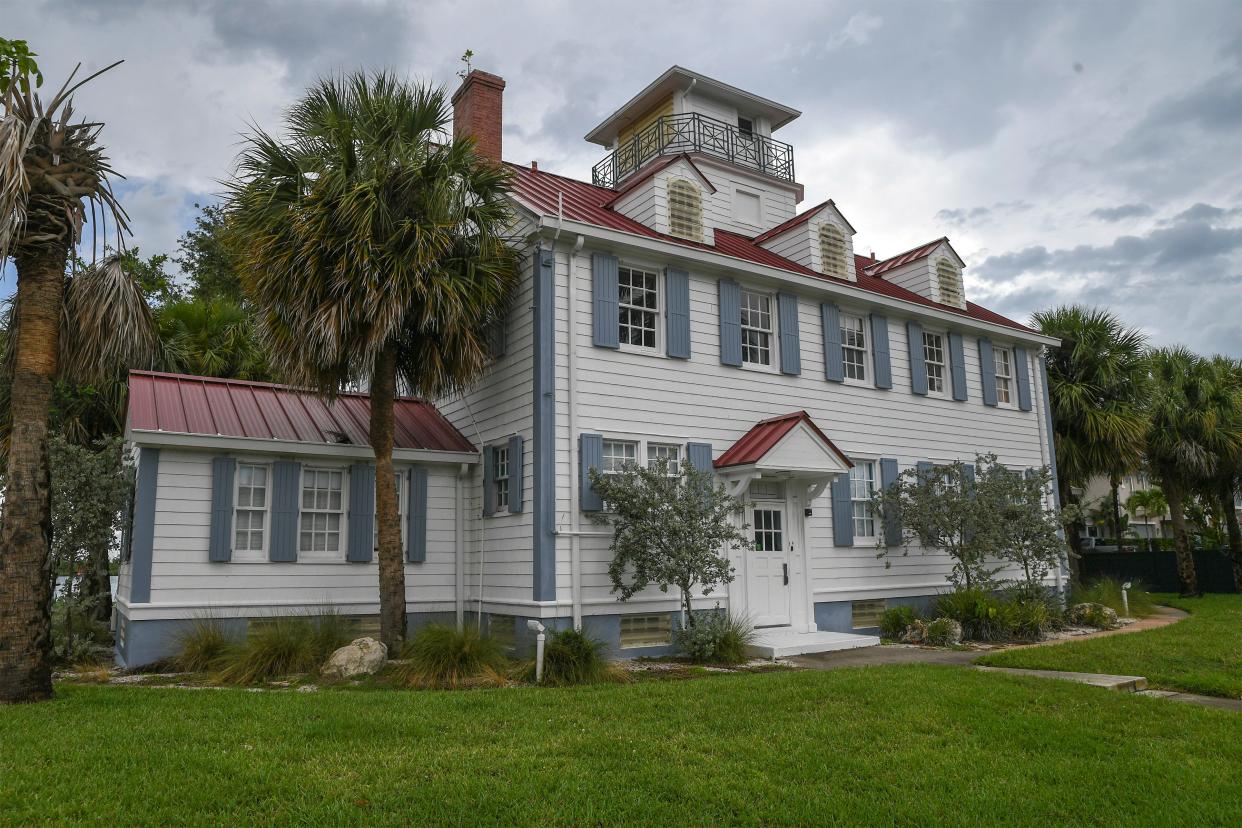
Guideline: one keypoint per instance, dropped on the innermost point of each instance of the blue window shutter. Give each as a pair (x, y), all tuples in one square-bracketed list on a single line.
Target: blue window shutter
[(489, 481), (968, 477), (791, 348), (957, 365), (730, 322), (677, 299), (834, 359), (591, 456), (220, 545), (699, 455), (498, 336), (842, 511), (924, 468), (879, 351), (516, 446), (987, 371), (362, 516), (142, 536), (286, 480), (416, 515), (918, 364), (888, 478), (604, 273), (1023, 377)]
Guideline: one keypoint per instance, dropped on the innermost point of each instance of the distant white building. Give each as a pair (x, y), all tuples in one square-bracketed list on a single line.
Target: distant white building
[(677, 307)]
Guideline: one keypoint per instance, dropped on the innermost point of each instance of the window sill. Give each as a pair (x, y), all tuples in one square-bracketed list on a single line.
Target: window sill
[(760, 367), (639, 349)]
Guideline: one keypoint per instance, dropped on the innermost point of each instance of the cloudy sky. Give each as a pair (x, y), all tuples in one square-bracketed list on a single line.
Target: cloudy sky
[(1072, 151)]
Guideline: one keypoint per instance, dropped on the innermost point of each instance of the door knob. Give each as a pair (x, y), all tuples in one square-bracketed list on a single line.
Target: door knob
[(785, 567)]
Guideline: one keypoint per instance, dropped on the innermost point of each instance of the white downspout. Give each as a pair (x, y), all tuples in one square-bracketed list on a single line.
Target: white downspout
[(575, 514), (459, 550)]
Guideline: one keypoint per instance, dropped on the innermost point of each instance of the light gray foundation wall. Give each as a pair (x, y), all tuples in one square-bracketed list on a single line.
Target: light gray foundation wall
[(838, 616)]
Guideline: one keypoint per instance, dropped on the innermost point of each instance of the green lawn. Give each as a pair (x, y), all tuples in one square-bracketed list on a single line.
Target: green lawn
[(879, 746), (1202, 654)]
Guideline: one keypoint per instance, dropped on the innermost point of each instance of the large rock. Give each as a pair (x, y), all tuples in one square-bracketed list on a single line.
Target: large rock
[(942, 632), (360, 657), (1092, 615)]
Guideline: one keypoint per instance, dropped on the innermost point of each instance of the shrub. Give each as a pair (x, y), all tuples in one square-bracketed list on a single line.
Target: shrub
[(442, 656), (895, 620), (1032, 620), (943, 632), (328, 634), (573, 657), (278, 647), (716, 638), (982, 615), (1107, 591), (204, 647), (1093, 615)]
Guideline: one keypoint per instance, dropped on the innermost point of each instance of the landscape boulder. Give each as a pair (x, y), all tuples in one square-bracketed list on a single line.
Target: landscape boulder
[(360, 657), (1092, 615)]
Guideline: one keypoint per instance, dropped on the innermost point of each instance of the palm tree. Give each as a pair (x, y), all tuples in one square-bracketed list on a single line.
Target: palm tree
[(1146, 503), (1223, 486), (1097, 378), (371, 245), (1196, 418), (212, 337), (51, 169)]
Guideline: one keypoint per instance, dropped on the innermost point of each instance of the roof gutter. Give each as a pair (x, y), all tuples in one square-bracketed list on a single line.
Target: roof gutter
[(550, 224), (213, 442)]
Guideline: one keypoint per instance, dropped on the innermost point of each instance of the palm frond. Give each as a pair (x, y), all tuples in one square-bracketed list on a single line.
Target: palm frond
[(106, 325)]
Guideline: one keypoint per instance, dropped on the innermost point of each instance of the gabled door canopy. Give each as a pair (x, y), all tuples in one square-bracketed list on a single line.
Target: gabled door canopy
[(789, 447)]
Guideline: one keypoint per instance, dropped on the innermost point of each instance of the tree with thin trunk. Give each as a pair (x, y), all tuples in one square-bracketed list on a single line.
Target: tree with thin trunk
[(1196, 418), (1223, 487), (1097, 380), (372, 246), (1148, 503), (53, 175)]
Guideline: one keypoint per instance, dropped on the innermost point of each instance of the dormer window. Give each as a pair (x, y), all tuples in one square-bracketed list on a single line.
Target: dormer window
[(949, 282), (832, 251), (685, 210)]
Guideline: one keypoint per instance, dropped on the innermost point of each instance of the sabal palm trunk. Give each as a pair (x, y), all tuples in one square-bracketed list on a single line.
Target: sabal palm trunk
[(1115, 485), (1073, 533), (1234, 531), (97, 585), (25, 531), (1181, 540), (391, 558)]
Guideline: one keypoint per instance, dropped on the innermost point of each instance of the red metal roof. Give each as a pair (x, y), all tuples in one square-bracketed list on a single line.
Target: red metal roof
[(545, 193), (216, 407), (920, 252), (754, 444)]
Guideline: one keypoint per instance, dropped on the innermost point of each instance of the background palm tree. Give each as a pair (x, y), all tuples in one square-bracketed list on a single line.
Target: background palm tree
[(1223, 486), (1097, 381), (1152, 503), (371, 245), (1196, 418), (213, 337)]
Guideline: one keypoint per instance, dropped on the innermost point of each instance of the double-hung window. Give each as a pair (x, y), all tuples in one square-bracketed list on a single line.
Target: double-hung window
[(323, 508), (1003, 358), (854, 347), (250, 515), (933, 357), (670, 454), (398, 478), (617, 455), (862, 487), (500, 477), (638, 306), (757, 330)]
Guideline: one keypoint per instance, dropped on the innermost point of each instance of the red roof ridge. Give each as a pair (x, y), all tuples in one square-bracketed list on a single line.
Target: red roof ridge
[(262, 384), (888, 264), (804, 216), (634, 180), (764, 435)]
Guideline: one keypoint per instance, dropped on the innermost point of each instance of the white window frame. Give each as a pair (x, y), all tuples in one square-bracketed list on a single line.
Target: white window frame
[(260, 554), (657, 312), (402, 480), (855, 501), (773, 331), (945, 378), (322, 555), (613, 441), (654, 451), (865, 350), (501, 483), (1007, 400)]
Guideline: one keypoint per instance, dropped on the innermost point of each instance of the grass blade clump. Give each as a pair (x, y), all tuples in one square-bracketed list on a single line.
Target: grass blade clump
[(573, 657), (329, 632), (1107, 591), (716, 638), (204, 648), (274, 648), (443, 657)]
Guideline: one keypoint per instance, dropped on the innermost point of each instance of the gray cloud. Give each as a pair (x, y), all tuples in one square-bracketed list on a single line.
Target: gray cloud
[(974, 216), (1121, 212)]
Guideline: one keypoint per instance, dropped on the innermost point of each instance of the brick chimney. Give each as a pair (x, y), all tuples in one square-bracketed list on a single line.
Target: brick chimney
[(477, 111)]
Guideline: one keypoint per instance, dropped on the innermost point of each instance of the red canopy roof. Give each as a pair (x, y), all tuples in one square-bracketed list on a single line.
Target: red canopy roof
[(547, 194), (763, 437), (216, 407)]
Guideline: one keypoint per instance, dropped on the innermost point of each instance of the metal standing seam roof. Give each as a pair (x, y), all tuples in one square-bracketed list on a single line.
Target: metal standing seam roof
[(213, 407), (546, 193), (763, 436)]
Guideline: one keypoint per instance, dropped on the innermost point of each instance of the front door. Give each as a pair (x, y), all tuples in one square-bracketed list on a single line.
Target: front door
[(767, 566)]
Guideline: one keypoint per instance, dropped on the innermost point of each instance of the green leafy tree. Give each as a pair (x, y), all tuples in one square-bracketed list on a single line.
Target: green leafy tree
[(1016, 522), (668, 530), (204, 255), (1097, 381), (1196, 419), (371, 244), (1223, 486)]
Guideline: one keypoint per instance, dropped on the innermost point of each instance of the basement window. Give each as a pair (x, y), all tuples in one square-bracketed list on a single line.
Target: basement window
[(868, 613), (645, 630)]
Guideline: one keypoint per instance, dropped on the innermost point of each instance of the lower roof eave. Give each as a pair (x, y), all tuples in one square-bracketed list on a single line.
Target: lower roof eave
[(551, 225), (218, 443)]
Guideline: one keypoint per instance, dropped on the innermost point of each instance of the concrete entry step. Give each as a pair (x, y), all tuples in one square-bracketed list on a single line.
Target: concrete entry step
[(778, 642), (1124, 684)]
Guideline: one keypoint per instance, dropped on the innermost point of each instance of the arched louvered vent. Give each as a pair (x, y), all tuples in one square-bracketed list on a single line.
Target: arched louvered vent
[(685, 210), (832, 251), (949, 282)]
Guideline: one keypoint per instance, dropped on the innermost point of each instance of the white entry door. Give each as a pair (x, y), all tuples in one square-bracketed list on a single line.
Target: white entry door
[(767, 565)]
